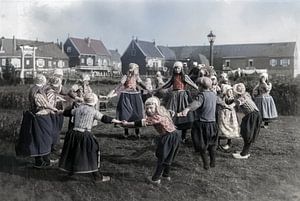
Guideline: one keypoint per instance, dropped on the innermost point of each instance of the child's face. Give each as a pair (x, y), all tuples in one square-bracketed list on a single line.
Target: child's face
[(150, 110), (230, 92), (177, 69)]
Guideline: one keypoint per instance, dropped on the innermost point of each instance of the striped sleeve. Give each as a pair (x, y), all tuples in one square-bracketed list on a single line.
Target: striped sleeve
[(41, 101)]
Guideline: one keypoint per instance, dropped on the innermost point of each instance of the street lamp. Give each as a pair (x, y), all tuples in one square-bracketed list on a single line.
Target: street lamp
[(211, 38)]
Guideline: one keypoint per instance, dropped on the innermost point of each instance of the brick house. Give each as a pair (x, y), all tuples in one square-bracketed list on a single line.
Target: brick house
[(278, 59), (146, 54), (88, 55), (31, 56)]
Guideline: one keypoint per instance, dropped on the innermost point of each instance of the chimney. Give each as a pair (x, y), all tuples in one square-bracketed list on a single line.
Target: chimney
[(136, 39), (14, 45), (88, 41), (2, 44), (61, 47), (154, 42)]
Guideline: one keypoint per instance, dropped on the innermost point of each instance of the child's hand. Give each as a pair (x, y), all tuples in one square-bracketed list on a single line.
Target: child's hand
[(183, 113), (116, 121)]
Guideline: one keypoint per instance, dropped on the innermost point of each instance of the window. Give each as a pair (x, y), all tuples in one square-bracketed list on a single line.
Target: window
[(133, 52), (49, 63), (82, 60), (273, 62), (99, 62), (89, 61), (227, 63), (3, 62), (284, 62), (27, 61), (250, 62), (60, 64), (40, 63), (104, 62), (69, 49)]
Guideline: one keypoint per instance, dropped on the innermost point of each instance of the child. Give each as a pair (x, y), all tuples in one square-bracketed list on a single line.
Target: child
[(227, 118), (204, 130), (36, 133), (80, 153), (264, 100), (169, 137), (180, 97), (130, 105), (149, 87), (250, 125)]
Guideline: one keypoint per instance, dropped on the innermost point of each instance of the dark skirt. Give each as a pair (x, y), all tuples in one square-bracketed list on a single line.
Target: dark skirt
[(250, 126), (80, 153), (130, 106), (36, 135), (267, 107), (57, 123), (167, 147), (204, 134), (178, 101)]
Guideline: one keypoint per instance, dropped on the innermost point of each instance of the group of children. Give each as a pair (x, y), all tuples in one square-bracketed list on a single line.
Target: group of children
[(210, 113)]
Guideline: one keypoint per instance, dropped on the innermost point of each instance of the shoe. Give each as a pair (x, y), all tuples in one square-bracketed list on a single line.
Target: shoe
[(206, 167), (168, 178), (212, 164), (42, 165), (239, 156), (226, 147), (103, 179), (155, 182), (54, 161)]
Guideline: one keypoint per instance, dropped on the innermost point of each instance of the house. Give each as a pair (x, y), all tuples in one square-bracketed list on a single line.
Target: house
[(116, 62), (146, 54), (88, 55), (28, 57), (278, 59)]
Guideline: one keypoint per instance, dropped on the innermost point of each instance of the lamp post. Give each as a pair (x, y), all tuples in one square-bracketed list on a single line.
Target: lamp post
[(211, 38)]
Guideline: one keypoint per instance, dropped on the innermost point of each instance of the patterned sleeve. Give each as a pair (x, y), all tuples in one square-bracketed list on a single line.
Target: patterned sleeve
[(123, 79), (41, 101), (149, 121)]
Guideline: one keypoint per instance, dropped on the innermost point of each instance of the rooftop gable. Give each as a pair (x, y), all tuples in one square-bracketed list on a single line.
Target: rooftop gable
[(90, 46), (149, 49)]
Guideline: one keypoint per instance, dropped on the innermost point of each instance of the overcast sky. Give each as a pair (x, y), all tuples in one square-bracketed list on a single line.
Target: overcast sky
[(173, 23)]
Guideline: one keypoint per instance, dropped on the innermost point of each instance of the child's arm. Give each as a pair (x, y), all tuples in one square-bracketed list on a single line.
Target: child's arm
[(135, 124)]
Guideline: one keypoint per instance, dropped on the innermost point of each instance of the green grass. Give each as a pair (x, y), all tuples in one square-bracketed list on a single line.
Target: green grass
[(270, 174)]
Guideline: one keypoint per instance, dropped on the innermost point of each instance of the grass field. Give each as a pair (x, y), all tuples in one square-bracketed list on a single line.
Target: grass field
[(272, 173)]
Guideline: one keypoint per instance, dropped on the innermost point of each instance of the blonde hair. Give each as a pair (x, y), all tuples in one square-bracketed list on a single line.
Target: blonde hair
[(161, 110)]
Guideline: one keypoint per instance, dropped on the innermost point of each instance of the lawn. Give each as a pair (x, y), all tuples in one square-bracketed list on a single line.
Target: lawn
[(272, 173)]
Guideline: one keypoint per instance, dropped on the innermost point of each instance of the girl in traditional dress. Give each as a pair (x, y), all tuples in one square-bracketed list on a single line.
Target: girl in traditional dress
[(180, 97), (36, 133), (250, 125), (81, 153), (168, 141), (130, 105), (264, 100), (227, 118)]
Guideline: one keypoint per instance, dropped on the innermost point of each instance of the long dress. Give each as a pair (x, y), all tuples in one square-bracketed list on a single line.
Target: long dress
[(227, 120), (36, 134), (265, 102)]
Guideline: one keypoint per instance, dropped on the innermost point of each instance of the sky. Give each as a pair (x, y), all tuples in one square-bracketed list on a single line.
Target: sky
[(168, 22)]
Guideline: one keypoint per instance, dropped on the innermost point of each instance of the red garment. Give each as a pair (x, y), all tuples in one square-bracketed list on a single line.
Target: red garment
[(162, 125), (178, 83), (130, 83)]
